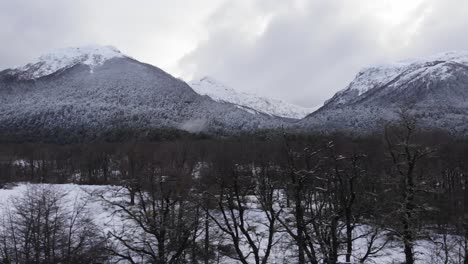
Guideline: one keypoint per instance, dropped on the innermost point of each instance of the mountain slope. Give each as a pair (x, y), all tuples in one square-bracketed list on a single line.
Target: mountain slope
[(435, 89), (220, 92), (100, 93)]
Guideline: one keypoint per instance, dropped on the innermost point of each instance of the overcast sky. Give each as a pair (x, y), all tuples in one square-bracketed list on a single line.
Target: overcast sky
[(300, 51)]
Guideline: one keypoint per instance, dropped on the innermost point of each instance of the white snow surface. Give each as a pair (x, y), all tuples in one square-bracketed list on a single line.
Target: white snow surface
[(379, 75), (282, 253), (220, 92), (60, 59)]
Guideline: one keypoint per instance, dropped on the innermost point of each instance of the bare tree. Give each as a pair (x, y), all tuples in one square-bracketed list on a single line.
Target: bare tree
[(237, 195), (43, 226), (160, 218), (305, 198), (406, 155)]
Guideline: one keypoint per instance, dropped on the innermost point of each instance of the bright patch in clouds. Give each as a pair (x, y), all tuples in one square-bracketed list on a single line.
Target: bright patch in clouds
[(395, 12)]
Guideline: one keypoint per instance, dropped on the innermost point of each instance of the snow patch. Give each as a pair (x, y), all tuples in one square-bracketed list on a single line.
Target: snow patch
[(60, 59), (401, 72), (220, 92), (107, 218)]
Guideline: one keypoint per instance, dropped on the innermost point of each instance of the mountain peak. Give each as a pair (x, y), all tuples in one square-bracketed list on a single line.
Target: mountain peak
[(91, 55), (435, 67), (79, 53), (215, 89), (219, 92), (452, 55), (434, 88)]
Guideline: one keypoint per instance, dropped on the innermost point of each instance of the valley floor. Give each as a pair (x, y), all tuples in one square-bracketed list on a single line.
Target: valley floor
[(283, 252)]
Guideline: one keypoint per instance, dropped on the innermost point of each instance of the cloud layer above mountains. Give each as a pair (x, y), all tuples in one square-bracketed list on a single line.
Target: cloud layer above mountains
[(300, 51)]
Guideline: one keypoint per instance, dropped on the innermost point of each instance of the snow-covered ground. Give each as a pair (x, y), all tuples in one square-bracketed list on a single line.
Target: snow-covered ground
[(283, 252)]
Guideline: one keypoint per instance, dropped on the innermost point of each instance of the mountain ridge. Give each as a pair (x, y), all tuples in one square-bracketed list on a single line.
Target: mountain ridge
[(434, 88), (60, 59), (98, 92), (220, 92), (92, 99)]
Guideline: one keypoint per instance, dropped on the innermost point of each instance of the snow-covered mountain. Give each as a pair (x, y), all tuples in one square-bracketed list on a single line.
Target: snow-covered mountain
[(220, 92), (61, 59), (97, 92), (435, 88)]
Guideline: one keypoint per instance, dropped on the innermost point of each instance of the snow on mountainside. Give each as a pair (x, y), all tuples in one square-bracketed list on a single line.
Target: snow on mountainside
[(220, 92), (60, 59), (97, 92), (399, 74), (435, 88), (382, 74)]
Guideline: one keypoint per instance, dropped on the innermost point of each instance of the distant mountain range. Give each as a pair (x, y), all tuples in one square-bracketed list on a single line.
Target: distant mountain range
[(98, 93), (222, 93)]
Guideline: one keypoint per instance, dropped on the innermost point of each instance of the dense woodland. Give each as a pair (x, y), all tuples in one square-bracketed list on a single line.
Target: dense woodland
[(403, 184)]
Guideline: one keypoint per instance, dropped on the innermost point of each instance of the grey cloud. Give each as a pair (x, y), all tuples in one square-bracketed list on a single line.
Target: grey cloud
[(444, 28), (31, 27), (304, 56), (301, 51), (154, 31)]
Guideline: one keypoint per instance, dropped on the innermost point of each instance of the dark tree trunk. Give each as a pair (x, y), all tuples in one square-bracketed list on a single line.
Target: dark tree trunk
[(207, 239)]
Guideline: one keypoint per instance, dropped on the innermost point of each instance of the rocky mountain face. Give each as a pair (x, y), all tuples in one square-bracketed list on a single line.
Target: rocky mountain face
[(434, 89), (222, 93), (97, 92)]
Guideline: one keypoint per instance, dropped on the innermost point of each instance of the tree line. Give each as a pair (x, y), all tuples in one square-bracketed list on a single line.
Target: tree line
[(315, 194)]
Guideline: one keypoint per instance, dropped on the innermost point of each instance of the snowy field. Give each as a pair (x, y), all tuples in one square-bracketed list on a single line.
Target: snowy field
[(283, 252)]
